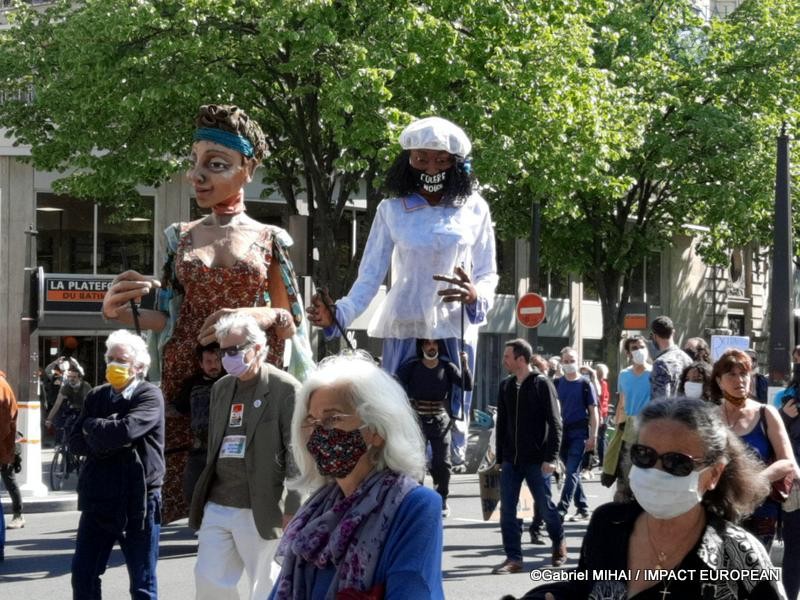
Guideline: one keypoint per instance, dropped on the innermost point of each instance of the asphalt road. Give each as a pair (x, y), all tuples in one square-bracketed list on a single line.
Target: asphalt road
[(37, 565)]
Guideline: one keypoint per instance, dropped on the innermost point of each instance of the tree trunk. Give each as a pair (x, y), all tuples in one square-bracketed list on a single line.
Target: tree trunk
[(612, 305)]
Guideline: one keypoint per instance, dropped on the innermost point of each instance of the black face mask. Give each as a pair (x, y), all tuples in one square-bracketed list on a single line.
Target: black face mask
[(692, 354), (430, 183)]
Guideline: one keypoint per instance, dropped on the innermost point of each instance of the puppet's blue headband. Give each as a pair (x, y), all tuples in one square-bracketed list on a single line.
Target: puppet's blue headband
[(229, 140)]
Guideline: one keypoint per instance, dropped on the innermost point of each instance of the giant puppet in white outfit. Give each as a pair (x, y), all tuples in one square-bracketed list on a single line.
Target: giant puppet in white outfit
[(437, 236)]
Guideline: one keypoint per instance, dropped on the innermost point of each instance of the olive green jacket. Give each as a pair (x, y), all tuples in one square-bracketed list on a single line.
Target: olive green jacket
[(267, 455)]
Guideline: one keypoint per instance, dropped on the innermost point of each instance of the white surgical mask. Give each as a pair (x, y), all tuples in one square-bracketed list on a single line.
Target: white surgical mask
[(569, 368), (693, 389), (639, 356), (662, 495)]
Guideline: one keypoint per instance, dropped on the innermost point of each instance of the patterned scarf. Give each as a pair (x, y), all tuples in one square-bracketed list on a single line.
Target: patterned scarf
[(347, 533)]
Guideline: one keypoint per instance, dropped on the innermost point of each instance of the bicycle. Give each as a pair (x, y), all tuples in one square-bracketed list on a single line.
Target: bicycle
[(64, 462)]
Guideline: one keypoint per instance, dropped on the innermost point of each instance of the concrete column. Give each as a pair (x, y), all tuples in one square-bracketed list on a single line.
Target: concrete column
[(576, 315), (19, 212)]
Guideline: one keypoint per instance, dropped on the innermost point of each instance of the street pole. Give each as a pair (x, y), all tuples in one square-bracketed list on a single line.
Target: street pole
[(533, 285), (781, 314), (30, 406)]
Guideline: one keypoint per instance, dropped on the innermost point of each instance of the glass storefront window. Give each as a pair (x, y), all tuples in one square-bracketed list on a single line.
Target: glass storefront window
[(590, 292), (558, 285), (653, 279), (69, 242), (133, 235), (636, 285), (65, 240), (645, 282), (506, 284)]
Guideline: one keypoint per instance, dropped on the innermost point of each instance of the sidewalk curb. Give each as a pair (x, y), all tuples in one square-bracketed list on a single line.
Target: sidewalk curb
[(53, 502)]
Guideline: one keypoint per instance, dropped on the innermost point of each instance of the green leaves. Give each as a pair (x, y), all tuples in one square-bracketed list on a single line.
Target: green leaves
[(623, 119)]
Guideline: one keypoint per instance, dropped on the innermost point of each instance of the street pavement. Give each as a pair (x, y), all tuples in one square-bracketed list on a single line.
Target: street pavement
[(37, 565)]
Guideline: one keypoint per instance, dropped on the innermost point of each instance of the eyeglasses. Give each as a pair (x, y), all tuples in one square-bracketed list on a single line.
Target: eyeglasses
[(328, 423), (673, 463), (234, 350)]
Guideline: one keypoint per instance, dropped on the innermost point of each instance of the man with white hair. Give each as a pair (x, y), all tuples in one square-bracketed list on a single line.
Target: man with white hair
[(238, 504), (121, 432)]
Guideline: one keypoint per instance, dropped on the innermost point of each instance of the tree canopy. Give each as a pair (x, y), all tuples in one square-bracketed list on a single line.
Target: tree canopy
[(624, 120), (331, 83)]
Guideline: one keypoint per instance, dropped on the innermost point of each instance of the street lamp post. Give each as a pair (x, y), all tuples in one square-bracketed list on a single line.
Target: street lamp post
[(781, 314)]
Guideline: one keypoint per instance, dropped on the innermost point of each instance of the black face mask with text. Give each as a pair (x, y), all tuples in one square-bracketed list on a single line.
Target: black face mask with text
[(430, 183)]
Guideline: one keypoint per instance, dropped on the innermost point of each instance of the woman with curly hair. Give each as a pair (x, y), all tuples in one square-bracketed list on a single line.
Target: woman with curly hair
[(436, 233), (695, 380), (222, 263)]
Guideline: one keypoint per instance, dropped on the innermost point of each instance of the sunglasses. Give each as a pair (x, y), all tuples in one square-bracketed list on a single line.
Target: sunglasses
[(673, 463), (234, 350)]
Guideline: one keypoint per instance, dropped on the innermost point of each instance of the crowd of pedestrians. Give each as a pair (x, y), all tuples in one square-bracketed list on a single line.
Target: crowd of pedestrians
[(308, 478), (687, 434)]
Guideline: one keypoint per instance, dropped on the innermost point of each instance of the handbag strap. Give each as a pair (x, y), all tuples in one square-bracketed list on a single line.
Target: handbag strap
[(763, 415)]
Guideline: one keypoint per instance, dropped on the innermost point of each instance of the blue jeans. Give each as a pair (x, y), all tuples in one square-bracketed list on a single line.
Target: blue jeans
[(93, 546), (511, 477), (791, 553), (572, 450)]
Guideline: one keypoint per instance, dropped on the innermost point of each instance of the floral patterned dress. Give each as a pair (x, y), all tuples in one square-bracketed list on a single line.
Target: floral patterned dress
[(205, 289)]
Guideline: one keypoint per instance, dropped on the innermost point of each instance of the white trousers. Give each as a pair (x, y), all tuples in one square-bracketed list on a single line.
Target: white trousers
[(229, 543)]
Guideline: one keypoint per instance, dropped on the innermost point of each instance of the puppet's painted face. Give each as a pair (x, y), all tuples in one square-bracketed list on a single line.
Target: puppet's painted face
[(217, 173)]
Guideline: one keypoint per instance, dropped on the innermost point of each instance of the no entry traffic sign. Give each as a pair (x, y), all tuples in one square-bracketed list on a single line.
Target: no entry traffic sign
[(530, 310)]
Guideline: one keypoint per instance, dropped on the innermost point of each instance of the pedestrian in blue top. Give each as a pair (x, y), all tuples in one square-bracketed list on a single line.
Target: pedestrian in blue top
[(633, 387), (580, 421), (791, 390), (370, 530)]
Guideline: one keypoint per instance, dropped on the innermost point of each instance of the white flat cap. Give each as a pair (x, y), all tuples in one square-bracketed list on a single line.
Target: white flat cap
[(435, 133)]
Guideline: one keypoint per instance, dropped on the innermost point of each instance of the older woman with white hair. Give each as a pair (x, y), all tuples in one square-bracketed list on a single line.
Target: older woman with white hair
[(370, 530)]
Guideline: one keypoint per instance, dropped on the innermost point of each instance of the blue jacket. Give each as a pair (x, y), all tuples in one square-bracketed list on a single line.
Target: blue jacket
[(410, 565)]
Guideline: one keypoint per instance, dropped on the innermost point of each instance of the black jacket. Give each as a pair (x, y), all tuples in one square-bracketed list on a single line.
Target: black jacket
[(123, 441), (528, 421), (722, 547)]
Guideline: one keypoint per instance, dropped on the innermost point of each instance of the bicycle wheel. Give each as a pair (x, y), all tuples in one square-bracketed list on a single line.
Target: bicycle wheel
[(58, 469)]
